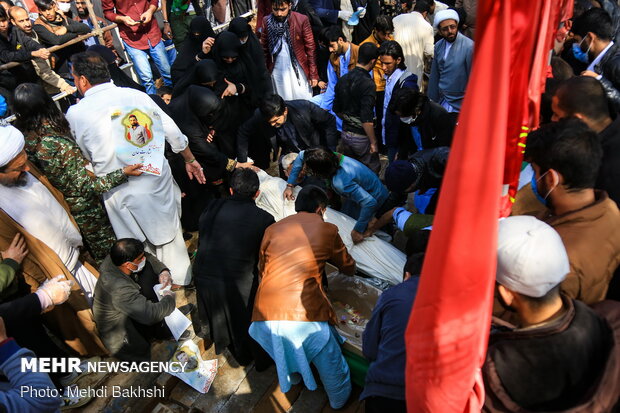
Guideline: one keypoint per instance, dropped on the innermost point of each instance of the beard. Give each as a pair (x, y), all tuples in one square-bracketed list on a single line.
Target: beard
[(21, 180), (280, 18)]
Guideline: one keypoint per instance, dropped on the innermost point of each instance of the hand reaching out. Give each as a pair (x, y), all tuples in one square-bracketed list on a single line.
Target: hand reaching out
[(231, 89), (17, 251), (133, 170), (194, 170)]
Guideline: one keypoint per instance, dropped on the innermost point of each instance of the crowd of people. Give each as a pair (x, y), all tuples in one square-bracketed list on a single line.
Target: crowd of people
[(356, 103)]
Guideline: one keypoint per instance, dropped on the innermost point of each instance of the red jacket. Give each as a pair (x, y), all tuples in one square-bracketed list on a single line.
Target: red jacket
[(303, 44)]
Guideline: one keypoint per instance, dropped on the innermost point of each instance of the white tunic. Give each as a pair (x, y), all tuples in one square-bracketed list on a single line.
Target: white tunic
[(415, 35), (33, 207), (285, 81), (147, 207)]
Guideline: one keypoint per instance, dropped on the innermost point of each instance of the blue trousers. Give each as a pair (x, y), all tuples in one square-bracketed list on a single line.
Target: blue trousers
[(143, 68)]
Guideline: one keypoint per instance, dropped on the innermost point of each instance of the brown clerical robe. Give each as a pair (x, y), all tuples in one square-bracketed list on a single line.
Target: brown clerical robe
[(71, 321)]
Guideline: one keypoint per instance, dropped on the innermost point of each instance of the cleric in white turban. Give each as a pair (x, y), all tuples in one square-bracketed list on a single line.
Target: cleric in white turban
[(442, 15), (452, 62), (31, 206), (11, 143)]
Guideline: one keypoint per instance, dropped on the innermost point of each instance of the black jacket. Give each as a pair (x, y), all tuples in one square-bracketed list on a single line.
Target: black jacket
[(314, 126), (16, 47), (49, 38), (609, 67), (119, 304), (609, 173), (568, 365), (436, 125), (354, 100)]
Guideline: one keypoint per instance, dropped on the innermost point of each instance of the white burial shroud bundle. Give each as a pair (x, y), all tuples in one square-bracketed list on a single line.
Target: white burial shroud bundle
[(374, 256)]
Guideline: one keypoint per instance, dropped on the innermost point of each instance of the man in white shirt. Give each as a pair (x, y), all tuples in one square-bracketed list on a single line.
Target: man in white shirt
[(415, 35), (147, 208)]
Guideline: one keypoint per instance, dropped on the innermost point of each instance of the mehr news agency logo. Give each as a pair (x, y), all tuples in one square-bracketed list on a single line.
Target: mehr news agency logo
[(75, 365)]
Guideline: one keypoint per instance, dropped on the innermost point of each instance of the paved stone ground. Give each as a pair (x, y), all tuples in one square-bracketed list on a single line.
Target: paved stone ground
[(236, 389)]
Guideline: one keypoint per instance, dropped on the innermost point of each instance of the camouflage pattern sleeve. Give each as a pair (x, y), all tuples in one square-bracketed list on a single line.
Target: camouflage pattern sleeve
[(65, 166)]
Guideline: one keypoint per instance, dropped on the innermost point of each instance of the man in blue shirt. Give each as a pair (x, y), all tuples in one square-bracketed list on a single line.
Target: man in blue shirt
[(383, 343), (349, 179)]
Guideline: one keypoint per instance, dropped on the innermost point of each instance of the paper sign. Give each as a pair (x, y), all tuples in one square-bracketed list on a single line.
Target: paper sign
[(198, 373), (176, 321), (139, 135)]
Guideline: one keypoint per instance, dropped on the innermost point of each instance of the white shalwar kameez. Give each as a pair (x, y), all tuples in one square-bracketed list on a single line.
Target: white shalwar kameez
[(285, 81), (415, 35), (147, 207), (33, 207)]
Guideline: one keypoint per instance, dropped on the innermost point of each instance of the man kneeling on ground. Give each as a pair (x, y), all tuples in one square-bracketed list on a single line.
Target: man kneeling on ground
[(126, 308)]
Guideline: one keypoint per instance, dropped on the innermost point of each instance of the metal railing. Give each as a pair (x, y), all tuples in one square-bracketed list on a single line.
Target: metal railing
[(99, 32), (216, 29)]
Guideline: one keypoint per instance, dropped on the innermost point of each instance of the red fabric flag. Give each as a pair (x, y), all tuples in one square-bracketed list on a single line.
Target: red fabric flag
[(449, 326)]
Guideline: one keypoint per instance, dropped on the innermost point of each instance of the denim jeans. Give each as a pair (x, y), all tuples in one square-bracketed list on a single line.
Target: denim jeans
[(143, 68)]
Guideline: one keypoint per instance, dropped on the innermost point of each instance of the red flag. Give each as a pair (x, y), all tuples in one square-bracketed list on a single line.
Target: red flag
[(448, 329)]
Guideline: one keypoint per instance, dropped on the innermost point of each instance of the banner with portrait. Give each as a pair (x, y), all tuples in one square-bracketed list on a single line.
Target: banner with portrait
[(140, 138), (197, 373)]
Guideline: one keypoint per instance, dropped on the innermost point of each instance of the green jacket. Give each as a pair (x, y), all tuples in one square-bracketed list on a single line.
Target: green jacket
[(118, 305), (8, 270)]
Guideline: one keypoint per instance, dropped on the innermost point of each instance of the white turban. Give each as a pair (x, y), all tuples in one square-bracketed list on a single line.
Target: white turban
[(11, 143), (442, 15), (531, 258)]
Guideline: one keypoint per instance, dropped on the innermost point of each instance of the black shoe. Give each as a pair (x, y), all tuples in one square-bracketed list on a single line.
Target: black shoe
[(187, 335), (187, 308)]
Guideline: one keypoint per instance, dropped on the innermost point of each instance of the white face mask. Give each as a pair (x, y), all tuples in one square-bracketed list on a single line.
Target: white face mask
[(140, 266), (244, 40), (64, 7)]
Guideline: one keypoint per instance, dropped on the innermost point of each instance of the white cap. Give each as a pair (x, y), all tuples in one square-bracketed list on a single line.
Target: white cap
[(531, 258), (447, 14), (11, 143)]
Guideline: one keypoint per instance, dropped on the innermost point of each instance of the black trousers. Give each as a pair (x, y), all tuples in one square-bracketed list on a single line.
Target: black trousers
[(377, 404)]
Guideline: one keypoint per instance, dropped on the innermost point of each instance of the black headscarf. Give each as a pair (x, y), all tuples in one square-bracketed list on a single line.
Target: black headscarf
[(227, 44), (253, 59), (196, 112), (240, 27), (199, 30), (202, 72)]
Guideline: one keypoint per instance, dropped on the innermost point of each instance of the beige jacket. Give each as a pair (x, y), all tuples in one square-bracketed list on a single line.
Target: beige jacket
[(52, 82)]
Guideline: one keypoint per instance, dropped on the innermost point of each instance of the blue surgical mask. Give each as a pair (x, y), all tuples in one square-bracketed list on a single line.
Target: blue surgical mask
[(542, 199), (535, 190), (580, 54)]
